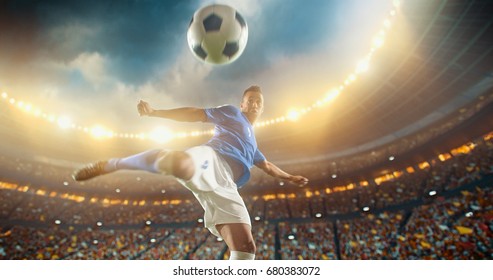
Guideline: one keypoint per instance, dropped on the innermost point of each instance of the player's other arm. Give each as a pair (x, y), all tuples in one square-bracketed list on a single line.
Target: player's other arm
[(275, 171), (184, 114)]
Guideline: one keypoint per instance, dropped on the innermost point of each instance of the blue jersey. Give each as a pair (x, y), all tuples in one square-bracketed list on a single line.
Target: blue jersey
[(234, 139)]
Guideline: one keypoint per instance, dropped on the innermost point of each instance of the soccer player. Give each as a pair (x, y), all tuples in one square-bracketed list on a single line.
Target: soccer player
[(213, 171)]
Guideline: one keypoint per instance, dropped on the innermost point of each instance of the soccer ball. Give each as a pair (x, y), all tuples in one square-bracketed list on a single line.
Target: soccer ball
[(217, 34)]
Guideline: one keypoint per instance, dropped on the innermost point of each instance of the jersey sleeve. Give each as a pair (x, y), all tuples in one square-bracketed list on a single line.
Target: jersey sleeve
[(258, 157), (221, 114)]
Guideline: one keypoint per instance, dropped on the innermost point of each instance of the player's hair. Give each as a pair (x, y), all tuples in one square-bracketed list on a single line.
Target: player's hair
[(252, 88)]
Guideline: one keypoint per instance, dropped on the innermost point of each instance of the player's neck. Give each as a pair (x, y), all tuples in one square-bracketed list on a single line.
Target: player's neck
[(252, 118)]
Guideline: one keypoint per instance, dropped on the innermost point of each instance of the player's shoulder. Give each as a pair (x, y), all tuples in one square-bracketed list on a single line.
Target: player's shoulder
[(228, 109)]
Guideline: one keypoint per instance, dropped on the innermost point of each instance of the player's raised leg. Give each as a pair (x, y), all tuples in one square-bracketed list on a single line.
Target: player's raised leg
[(174, 163), (154, 161)]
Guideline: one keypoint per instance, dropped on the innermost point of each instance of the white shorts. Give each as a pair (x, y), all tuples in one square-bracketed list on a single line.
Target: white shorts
[(213, 186)]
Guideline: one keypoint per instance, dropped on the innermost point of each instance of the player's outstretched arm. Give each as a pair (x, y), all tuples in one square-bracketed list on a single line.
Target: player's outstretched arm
[(184, 114), (275, 171)]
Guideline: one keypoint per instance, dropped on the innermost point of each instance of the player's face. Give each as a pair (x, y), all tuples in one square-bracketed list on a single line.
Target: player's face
[(252, 103)]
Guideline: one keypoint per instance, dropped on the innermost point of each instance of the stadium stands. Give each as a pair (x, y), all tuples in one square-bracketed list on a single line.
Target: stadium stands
[(442, 211)]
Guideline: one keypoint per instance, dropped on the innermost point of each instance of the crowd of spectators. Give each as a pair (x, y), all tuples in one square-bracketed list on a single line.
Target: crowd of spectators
[(457, 228), (307, 241), (370, 237), (451, 218)]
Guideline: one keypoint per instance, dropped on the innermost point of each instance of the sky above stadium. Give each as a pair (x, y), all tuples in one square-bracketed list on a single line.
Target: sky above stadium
[(94, 60)]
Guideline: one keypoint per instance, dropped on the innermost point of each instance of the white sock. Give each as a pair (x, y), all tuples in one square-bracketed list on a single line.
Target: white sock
[(237, 255)]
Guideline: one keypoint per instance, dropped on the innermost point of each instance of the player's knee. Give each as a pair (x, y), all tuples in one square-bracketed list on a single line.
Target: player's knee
[(182, 165), (248, 246), (176, 163)]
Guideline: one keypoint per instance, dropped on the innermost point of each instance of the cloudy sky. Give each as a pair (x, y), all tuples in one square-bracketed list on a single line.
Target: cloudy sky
[(94, 60)]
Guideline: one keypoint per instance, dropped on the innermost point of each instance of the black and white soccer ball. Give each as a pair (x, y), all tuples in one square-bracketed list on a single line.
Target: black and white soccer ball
[(217, 34)]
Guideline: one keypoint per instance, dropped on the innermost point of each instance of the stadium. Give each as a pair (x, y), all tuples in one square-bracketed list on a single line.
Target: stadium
[(399, 157)]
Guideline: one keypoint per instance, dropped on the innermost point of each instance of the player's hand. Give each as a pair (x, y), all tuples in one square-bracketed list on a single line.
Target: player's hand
[(299, 180), (144, 108)]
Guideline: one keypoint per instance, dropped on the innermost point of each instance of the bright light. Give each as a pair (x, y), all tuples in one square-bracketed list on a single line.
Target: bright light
[(363, 66), (98, 131), (379, 40), (28, 108), (64, 122), (195, 133), (293, 115), (331, 95), (161, 135), (37, 112), (386, 23)]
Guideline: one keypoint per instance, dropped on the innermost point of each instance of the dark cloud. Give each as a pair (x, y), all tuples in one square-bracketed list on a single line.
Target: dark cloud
[(135, 36)]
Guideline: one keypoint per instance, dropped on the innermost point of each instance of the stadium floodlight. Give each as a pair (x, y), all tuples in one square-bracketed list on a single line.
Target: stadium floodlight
[(293, 115), (331, 94), (98, 131), (387, 23), (161, 135), (378, 40), (363, 66), (64, 122)]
